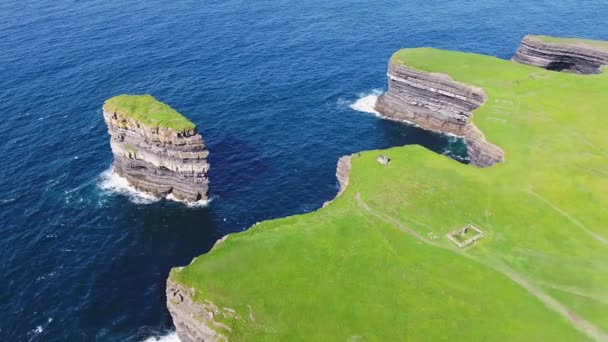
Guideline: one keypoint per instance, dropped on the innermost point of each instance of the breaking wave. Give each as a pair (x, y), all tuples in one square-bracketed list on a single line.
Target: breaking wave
[(111, 183), (170, 337), (197, 204), (367, 102)]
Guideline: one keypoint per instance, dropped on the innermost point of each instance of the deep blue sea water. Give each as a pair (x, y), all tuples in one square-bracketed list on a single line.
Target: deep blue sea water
[(270, 83)]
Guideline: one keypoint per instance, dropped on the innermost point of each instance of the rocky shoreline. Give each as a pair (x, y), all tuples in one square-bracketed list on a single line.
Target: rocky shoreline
[(438, 103), (568, 55), (194, 322), (159, 160)]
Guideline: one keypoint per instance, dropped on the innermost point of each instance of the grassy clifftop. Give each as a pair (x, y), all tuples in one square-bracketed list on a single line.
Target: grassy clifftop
[(149, 111), (376, 263), (574, 41)]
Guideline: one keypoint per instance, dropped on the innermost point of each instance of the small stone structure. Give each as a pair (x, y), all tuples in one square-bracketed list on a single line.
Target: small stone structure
[(384, 160), (458, 236)]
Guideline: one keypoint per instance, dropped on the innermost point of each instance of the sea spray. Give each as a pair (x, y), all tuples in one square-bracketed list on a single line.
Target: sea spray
[(367, 102), (170, 337), (111, 183)]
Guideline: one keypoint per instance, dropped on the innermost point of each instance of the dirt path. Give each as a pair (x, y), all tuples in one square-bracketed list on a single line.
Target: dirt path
[(576, 222), (578, 322)]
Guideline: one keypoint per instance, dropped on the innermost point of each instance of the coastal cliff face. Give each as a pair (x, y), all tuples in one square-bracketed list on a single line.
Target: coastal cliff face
[(342, 172), (571, 55), (436, 102), (193, 321), (156, 149)]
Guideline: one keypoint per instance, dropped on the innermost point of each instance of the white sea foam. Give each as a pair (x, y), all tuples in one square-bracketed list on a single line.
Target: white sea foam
[(111, 182), (170, 337), (201, 203), (367, 102)]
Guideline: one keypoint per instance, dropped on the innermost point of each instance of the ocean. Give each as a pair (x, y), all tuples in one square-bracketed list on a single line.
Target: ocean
[(280, 90)]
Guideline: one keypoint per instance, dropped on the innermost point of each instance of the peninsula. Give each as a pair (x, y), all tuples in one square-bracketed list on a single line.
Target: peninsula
[(421, 247), (156, 148)]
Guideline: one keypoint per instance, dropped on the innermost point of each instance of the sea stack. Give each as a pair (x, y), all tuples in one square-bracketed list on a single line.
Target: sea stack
[(436, 102), (575, 55), (157, 149)]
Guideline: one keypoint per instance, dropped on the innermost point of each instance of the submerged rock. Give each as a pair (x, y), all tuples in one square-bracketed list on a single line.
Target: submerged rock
[(563, 54), (157, 149), (436, 102)]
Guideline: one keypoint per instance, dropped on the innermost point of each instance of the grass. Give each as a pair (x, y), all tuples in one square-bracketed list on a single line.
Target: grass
[(130, 148), (345, 272), (574, 41), (149, 111)]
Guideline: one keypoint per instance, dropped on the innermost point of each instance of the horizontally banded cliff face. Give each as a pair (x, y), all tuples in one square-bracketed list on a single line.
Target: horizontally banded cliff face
[(156, 149), (342, 172), (571, 55), (436, 102), (194, 322)]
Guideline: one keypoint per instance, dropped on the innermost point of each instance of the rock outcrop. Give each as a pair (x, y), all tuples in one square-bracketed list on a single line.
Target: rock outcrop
[(570, 55), (194, 322), (342, 173), (157, 149), (436, 102)]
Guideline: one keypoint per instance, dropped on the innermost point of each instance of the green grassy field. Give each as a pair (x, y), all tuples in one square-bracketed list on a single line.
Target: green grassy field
[(149, 111), (363, 268), (574, 41)]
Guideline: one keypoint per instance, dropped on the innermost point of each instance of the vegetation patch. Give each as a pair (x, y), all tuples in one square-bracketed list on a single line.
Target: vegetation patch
[(366, 265), (148, 111), (574, 41), (130, 148)]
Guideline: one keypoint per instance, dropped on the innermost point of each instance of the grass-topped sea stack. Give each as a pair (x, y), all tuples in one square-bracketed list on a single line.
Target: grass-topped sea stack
[(156, 148)]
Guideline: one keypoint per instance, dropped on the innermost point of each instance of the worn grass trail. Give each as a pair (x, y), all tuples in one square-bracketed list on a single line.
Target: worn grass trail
[(580, 323)]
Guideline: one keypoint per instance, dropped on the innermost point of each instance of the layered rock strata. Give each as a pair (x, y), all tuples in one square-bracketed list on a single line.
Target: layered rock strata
[(436, 102), (342, 172), (571, 55), (194, 322), (157, 158)]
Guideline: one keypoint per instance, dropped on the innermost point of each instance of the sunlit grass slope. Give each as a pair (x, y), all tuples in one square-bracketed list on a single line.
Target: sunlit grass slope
[(574, 41), (365, 267), (149, 111)]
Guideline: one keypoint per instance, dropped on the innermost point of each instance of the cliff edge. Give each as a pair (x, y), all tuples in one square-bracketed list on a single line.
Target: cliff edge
[(156, 148), (580, 56), (436, 102)]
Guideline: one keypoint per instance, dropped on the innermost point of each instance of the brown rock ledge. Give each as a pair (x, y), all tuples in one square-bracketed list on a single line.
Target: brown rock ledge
[(436, 102), (569, 55)]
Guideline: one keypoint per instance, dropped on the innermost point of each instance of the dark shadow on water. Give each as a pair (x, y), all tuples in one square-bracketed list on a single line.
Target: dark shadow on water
[(157, 237), (399, 134)]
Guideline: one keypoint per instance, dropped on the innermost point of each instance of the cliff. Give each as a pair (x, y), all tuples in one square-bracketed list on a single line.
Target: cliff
[(436, 102), (563, 54), (194, 322), (362, 267), (155, 148)]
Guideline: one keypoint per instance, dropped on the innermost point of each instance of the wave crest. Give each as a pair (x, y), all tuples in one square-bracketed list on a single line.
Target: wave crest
[(170, 337), (367, 102), (111, 183)]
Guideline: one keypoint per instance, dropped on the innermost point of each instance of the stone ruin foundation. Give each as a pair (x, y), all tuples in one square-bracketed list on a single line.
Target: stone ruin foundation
[(465, 236)]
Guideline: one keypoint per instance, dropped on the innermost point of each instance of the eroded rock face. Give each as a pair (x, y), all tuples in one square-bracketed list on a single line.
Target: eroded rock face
[(342, 173), (159, 160), (194, 322), (436, 102), (571, 57)]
